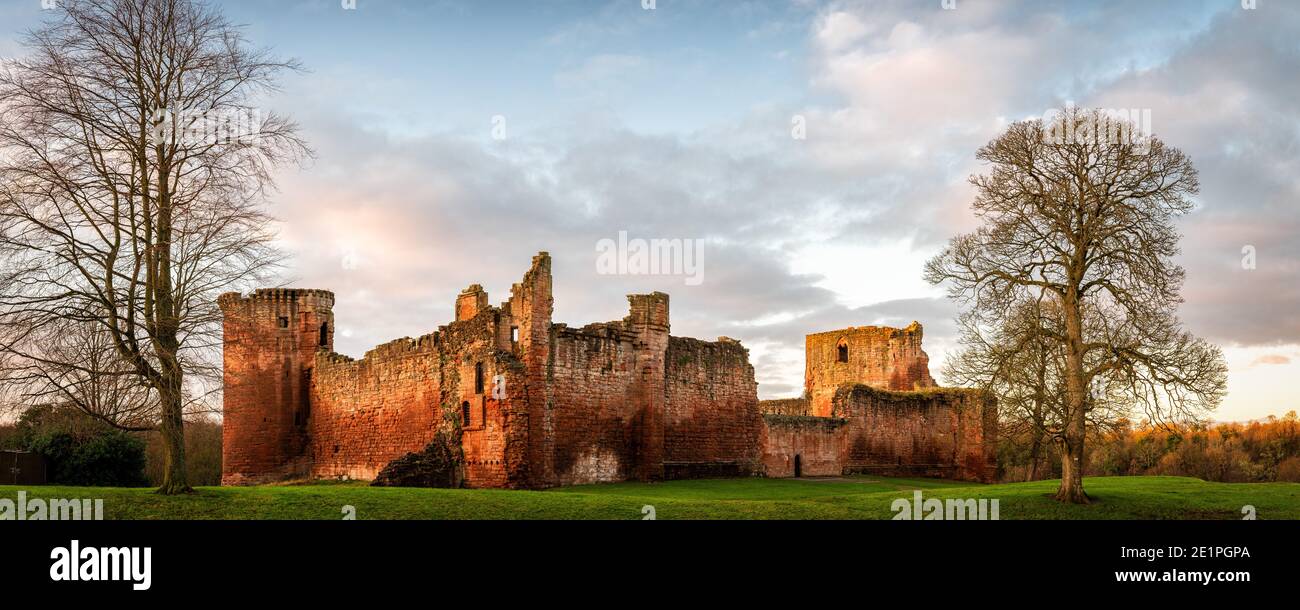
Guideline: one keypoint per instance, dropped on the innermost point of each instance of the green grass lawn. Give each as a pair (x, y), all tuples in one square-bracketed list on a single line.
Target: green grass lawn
[(843, 498)]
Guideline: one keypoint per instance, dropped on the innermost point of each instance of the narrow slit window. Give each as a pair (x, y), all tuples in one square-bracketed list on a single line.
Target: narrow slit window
[(478, 378), (324, 334), (464, 414)]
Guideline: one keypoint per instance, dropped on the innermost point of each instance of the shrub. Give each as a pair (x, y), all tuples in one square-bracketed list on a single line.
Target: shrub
[(80, 450)]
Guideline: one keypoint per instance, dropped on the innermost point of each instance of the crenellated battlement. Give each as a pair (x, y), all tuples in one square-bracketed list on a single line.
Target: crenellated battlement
[(323, 298), (400, 347)]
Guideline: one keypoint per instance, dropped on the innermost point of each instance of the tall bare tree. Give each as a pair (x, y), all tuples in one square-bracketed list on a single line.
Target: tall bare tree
[(1079, 212), (134, 164)]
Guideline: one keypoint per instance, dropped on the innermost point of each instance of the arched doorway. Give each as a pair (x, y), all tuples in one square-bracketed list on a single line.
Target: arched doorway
[(798, 466)]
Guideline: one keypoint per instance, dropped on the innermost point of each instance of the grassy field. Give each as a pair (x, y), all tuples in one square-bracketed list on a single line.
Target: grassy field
[(840, 498)]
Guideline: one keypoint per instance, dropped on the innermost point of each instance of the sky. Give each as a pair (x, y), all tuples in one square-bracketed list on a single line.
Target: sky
[(817, 153)]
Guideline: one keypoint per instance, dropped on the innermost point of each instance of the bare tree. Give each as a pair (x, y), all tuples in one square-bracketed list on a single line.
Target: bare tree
[(1019, 362), (80, 366), (134, 164), (1021, 369), (1080, 213)]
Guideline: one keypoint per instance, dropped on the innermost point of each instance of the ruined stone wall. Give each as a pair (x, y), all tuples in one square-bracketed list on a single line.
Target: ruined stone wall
[(473, 353), (785, 406), (647, 320), (940, 432), (531, 306), (815, 443), (608, 402), (881, 357), (270, 341), (592, 373), (712, 426), (369, 412)]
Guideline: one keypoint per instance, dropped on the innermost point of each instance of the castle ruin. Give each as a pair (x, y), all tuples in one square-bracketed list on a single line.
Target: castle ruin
[(536, 404)]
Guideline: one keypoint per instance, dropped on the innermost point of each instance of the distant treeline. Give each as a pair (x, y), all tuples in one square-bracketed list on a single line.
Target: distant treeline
[(1259, 451), (85, 451)]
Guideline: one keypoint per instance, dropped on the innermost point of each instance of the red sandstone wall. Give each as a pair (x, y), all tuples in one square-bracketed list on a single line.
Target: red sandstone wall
[(784, 406), (369, 412), (878, 356), (938, 432), (592, 373), (647, 321), (532, 462), (466, 347), (609, 402), (270, 341), (372, 411), (817, 443), (712, 425)]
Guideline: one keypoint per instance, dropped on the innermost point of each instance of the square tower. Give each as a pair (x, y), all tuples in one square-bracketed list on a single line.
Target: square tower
[(878, 356)]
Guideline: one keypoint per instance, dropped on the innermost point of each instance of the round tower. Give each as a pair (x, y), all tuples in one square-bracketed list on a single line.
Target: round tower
[(270, 342)]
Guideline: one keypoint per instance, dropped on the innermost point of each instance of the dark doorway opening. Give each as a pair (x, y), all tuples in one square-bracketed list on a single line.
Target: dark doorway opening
[(798, 466)]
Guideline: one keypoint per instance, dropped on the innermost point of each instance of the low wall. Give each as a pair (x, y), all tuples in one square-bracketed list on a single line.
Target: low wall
[(814, 444), (939, 432), (785, 406)]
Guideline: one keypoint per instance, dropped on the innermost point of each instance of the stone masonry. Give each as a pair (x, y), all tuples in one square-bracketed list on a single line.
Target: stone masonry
[(870, 406), (536, 404)]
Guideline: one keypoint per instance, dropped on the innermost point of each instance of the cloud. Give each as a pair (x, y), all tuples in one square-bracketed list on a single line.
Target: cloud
[(800, 235), (1271, 359), (923, 89)]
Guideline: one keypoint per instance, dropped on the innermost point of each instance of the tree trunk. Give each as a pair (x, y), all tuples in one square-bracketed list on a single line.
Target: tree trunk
[(1071, 490), (1035, 457), (172, 428), (167, 340)]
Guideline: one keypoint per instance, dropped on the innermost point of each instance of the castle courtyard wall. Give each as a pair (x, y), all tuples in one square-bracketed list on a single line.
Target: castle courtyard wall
[(594, 412), (712, 426), (816, 444), (369, 412), (939, 432)]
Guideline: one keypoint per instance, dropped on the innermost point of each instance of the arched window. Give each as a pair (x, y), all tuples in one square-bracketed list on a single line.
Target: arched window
[(478, 378), (843, 351), (464, 414), (324, 334)]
